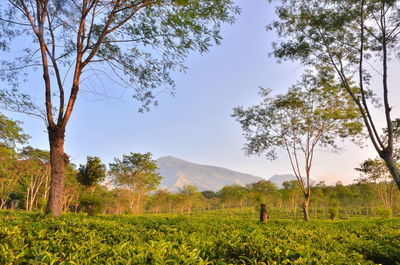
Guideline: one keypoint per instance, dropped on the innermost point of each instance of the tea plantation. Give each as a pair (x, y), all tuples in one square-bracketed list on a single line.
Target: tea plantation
[(78, 239)]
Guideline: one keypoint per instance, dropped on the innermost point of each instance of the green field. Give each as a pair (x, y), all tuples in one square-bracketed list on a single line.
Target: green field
[(78, 239)]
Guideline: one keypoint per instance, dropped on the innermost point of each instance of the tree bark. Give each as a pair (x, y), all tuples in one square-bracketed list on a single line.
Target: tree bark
[(57, 160), (263, 213), (392, 166), (305, 207)]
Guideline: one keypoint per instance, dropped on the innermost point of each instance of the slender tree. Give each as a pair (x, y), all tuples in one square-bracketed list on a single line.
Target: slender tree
[(188, 197), (11, 170), (313, 113), (375, 171), (356, 41), (36, 175), (137, 43), (137, 173)]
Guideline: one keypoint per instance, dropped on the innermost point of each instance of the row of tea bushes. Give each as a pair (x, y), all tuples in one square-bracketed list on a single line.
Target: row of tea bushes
[(77, 239)]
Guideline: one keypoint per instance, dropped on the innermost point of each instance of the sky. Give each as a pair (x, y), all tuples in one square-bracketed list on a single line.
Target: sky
[(196, 124)]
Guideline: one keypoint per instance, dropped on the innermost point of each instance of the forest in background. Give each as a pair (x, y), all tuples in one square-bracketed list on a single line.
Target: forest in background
[(132, 187)]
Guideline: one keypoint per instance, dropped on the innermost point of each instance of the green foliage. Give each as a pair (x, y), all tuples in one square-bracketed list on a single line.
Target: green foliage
[(262, 191), (232, 195), (11, 133), (76, 239), (29, 152), (209, 194), (92, 173), (312, 111), (136, 171), (384, 212), (136, 175), (91, 204), (374, 170), (343, 39), (333, 213), (396, 139), (140, 43)]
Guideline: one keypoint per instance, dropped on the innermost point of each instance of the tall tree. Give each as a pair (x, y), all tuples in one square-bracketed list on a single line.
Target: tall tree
[(138, 173), (355, 40), (136, 43), (313, 113)]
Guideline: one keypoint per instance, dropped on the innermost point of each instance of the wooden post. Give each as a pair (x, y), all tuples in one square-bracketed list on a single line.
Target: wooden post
[(263, 213)]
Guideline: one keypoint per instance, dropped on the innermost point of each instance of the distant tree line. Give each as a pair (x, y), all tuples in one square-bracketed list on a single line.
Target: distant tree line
[(130, 187)]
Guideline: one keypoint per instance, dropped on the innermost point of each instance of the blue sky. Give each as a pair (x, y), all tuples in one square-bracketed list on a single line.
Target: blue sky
[(195, 124)]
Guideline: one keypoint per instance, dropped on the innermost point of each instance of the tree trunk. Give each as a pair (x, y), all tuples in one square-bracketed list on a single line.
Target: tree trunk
[(392, 166), (263, 213), (57, 160), (305, 207)]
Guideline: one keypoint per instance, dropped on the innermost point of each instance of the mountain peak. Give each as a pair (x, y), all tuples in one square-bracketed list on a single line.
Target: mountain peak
[(178, 172), (169, 158)]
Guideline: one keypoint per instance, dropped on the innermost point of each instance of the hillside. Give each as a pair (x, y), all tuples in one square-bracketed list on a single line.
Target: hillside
[(279, 179), (178, 172)]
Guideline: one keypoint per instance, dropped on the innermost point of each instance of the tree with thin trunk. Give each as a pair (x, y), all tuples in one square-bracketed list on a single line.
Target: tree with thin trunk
[(291, 194), (136, 43), (312, 113), (375, 171), (138, 174), (355, 40), (37, 172), (11, 170), (189, 196)]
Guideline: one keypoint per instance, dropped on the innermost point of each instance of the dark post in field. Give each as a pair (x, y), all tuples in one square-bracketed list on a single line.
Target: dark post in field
[(263, 213)]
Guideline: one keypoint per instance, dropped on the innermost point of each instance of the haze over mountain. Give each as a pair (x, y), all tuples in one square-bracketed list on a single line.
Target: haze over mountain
[(178, 172), (279, 179)]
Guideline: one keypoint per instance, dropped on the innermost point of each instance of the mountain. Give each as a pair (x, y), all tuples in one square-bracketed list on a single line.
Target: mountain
[(279, 179), (178, 172)]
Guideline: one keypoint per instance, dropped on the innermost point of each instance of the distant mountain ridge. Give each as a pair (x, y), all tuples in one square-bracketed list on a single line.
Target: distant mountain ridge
[(279, 179), (178, 172)]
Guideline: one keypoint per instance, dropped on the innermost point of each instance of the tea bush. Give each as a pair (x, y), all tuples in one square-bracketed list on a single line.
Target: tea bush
[(78, 239)]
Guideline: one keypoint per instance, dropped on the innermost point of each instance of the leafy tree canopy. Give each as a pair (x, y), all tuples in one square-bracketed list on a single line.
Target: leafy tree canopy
[(373, 170), (138, 172), (93, 172), (33, 153), (11, 133), (354, 41), (313, 112), (134, 43)]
